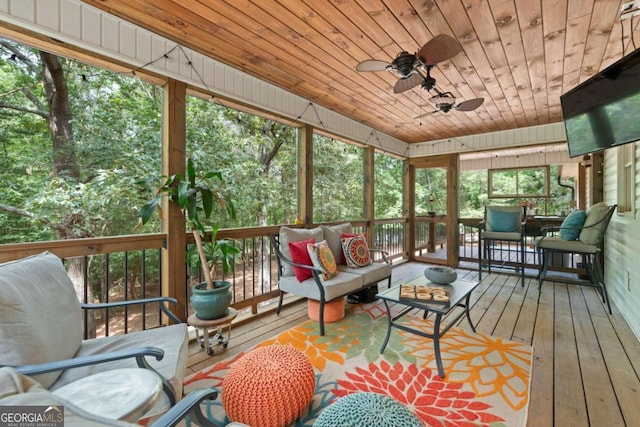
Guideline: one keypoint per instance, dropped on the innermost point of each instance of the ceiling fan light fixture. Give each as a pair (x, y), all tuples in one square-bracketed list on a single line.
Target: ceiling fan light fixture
[(442, 99)]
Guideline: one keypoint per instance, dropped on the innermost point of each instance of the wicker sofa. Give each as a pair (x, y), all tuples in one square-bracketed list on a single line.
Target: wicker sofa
[(348, 280)]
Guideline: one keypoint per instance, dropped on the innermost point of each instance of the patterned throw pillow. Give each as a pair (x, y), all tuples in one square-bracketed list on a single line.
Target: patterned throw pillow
[(356, 251), (322, 258)]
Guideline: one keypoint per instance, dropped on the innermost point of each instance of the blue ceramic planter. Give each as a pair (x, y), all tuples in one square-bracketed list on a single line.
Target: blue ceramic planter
[(211, 304)]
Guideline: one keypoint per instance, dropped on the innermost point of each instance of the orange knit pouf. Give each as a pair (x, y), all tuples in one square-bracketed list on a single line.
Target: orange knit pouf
[(333, 311), (269, 386)]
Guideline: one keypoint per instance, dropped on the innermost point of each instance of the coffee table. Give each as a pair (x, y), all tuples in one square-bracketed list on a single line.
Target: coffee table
[(459, 293)]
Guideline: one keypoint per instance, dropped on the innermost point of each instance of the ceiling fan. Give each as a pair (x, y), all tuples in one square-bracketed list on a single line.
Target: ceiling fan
[(445, 101), (407, 65)]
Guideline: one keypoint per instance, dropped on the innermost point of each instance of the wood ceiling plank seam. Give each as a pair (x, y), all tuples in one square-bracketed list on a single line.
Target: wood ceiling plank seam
[(530, 18), (445, 71), (319, 76), (481, 17), (378, 9), (405, 13), (346, 86), (602, 17), (579, 8), (160, 25), (613, 50), (456, 15), (340, 21), (508, 27), (348, 68), (575, 41), (379, 12), (387, 47), (285, 82), (432, 18), (554, 21), (357, 25), (458, 67)]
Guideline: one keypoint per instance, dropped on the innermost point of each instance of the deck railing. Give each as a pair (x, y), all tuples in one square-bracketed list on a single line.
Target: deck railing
[(129, 267)]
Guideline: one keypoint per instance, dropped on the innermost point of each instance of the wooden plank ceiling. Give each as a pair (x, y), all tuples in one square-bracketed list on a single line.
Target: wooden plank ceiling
[(519, 55)]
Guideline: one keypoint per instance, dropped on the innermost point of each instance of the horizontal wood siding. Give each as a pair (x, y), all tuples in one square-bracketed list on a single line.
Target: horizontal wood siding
[(622, 272), (531, 135), (520, 161)]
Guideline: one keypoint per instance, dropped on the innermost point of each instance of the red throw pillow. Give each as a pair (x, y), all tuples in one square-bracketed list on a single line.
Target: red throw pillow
[(343, 260), (300, 255)]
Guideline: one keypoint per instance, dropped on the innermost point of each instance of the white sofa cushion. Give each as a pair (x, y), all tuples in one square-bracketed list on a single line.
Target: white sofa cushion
[(339, 285), (333, 236), (288, 234), (40, 316), (371, 273)]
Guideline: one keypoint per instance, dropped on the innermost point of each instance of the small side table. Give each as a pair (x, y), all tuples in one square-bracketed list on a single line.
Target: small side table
[(219, 323), (123, 394)]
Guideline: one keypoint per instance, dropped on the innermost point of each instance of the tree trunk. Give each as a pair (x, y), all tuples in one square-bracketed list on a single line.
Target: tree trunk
[(60, 118)]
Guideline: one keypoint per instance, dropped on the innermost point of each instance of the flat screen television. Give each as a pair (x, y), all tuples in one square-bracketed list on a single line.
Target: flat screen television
[(604, 111)]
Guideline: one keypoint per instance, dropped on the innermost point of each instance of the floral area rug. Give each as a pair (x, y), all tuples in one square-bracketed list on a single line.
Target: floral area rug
[(486, 378)]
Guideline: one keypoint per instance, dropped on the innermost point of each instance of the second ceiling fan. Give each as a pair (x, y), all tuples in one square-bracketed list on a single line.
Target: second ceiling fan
[(408, 67)]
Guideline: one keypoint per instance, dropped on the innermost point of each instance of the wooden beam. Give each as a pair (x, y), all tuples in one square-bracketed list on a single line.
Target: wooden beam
[(174, 278), (305, 174), (453, 233), (409, 209), (369, 195)]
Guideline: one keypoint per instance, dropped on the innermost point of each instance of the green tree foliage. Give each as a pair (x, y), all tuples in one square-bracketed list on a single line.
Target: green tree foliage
[(257, 154), (338, 189), (388, 186), (114, 135)]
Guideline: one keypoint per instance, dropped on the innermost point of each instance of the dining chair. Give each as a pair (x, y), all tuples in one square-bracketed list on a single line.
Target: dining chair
[(504, 225)]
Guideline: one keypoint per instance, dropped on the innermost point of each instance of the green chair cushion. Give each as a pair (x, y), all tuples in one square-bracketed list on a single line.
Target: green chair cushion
[(503, 221), (572, 225)]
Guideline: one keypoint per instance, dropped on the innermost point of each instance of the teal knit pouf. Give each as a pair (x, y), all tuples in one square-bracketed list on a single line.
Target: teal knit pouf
[(365, 410)]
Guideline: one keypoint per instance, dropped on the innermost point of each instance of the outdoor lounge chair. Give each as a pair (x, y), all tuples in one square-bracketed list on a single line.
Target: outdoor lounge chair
[(41, 332)]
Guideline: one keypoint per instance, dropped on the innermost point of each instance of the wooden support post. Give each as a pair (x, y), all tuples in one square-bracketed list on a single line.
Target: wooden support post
[(368, 180), (173, 223), (305, 174), (409, 209)]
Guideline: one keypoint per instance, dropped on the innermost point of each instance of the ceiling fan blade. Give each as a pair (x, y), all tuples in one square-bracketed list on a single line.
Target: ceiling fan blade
[(469, 105), (372, 65), (440, 48), (405, 84), (426, 114)]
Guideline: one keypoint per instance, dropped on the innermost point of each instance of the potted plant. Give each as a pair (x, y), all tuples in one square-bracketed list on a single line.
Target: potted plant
[(211, 302), (197, 197)]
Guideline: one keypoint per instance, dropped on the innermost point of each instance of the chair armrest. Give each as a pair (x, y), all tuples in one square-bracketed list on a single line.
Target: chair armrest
[(61, 365), (161, 300), (189, 405)]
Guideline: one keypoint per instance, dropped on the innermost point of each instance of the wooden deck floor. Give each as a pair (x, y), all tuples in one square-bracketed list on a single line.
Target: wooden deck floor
[(586, 363)]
